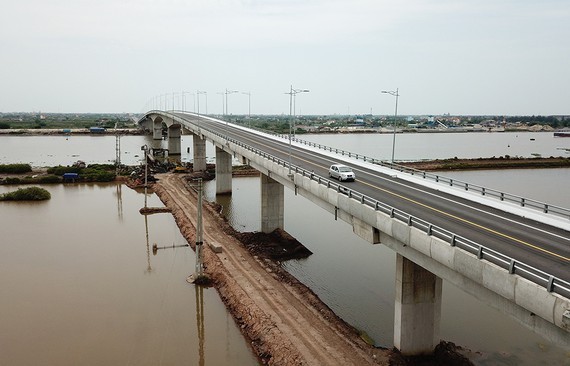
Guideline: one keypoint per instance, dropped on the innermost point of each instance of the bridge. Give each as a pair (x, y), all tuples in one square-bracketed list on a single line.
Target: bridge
[(510, 252)]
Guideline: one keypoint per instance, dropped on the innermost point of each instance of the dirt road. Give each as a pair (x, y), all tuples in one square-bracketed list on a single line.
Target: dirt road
[(285, 322)]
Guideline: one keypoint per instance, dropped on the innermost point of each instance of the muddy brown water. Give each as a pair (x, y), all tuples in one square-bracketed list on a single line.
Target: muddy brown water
[(80, 285)]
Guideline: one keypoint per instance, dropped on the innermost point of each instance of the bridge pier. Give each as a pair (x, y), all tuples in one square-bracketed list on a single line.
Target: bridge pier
[(157, 129), (174, 145), (199, 145), (418, 308), (272, 204), (223, 172)]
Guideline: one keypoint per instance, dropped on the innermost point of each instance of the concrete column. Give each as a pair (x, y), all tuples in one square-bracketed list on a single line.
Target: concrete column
[(223, 172), (272, 204), (157, 129), (199, 153), (174, 133), (418, 308)]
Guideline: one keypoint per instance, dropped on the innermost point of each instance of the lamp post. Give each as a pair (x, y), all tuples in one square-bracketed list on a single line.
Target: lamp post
[(184, 100), (292, 92), (229, 92), (394, 94), (223, 109), (198, 92), (248, 103)]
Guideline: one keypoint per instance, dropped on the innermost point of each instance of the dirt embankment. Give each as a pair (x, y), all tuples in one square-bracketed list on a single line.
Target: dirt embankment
[(285, 322), (489, 163)]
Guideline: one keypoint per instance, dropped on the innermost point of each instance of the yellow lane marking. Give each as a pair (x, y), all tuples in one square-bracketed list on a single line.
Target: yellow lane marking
[(470, 222), (440, 211)]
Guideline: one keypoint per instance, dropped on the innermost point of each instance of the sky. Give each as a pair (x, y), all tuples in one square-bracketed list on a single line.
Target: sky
[(462, 57)]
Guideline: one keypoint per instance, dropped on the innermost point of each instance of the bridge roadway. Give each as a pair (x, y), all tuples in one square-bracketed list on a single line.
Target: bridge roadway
[(540, 245)]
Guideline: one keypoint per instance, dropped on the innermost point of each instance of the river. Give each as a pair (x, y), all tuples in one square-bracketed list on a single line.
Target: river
[(80, 285), (353, 277)]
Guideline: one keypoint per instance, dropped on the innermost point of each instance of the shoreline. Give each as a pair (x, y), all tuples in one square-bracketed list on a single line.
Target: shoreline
[(455, 164)]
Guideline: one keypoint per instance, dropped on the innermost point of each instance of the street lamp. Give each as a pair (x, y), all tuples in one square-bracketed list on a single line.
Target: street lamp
[(394, 94), (184, 100), (292, 92), (223, 109), (248, 103), (198, 92), (229, 92)]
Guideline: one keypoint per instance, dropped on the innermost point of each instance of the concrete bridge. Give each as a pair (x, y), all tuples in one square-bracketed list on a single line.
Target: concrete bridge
[(513, 256)]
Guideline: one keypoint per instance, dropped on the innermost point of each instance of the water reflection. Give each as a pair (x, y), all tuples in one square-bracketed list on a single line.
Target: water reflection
[(119, 194), (148, 266), (74, 282), (200, 324)]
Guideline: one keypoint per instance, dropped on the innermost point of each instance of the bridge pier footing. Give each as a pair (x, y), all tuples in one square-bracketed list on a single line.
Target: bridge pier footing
[(418, 308), (199, 145), (272, 204), (223, 172)]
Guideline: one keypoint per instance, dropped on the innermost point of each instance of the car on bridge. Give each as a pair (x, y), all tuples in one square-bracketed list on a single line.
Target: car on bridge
[(341, 172)]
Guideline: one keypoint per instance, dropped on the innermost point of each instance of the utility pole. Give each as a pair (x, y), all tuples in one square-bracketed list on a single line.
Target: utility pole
[(198, 276), (199, 233)]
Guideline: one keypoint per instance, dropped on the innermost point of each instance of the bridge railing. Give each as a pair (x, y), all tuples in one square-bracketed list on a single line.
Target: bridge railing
[(483, 191), (513, 266)]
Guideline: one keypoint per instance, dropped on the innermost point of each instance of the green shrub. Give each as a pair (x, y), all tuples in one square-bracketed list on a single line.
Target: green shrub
[(15, 168), (60, 170), (11, 180), (50, 179), (94, 175), (26, 194)]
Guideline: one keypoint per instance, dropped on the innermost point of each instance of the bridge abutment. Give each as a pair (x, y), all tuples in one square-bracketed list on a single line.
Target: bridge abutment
[(418, 308), (199, 147), (272, 204), (223, 172)]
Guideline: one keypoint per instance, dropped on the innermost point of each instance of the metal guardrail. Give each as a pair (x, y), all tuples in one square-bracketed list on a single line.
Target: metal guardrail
[(483, 191), (513, 266)]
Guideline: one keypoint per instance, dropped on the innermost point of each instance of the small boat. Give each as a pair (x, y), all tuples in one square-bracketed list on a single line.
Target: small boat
[(562, 134)]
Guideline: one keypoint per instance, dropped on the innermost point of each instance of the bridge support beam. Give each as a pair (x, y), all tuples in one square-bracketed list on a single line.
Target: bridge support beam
[(272, 204), (174, 133), (199, 145), (418, 308), (223, 172)]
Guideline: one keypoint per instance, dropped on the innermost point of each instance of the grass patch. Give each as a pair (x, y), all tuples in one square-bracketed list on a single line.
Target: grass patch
[(26, 194), (15, 168)]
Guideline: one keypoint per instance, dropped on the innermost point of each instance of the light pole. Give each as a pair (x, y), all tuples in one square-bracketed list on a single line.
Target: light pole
[(184, 100), (292, 92), (223, 109), (394, 94), (248, 103), (198, 92), (229, 92)]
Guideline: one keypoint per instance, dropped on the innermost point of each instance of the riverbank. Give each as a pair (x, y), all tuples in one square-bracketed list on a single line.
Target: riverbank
[(489, 163), (68, 131)]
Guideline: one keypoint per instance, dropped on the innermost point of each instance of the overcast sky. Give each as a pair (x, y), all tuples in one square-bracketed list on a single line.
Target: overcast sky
[(446, 56)]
